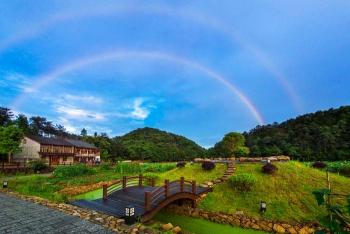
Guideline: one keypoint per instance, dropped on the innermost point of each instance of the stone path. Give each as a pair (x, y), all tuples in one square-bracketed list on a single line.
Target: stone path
[(19, 216)]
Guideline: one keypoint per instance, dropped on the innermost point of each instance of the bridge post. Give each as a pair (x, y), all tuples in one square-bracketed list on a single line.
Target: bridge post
[(153, 182), (104, 192), (182, 181), (124, 182), (194, 187), (140, 180), (166, 188), (147, 201)]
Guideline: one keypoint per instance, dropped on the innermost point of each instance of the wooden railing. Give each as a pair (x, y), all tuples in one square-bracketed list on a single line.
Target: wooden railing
[(168, 189), (127, 181)]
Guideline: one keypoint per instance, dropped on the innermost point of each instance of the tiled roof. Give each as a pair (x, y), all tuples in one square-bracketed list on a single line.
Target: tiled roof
[(61, 142)]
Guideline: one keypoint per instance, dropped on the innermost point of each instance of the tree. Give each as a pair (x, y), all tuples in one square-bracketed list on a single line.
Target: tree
[(83, 132), (6, 116), (37, 125), (233, 144), (10, 138), (22, 123)]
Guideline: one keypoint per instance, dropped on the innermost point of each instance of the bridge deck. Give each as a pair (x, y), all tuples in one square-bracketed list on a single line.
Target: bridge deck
[(117, 201)]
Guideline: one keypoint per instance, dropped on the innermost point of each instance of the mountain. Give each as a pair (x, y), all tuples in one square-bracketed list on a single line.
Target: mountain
[(157, 145), (323, 135)]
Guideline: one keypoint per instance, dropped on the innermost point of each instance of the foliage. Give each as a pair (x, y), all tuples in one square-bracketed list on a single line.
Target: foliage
[(337, 218), (319, 165), (72, 171), (269, 168), (230, 146), (155, 145), (10, 138), (208, 165), (37, 165), (324, 135), (242, 182), (6, 116), (181, 164)]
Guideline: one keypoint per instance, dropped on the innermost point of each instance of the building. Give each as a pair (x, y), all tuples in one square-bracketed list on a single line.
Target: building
[(56, 151)]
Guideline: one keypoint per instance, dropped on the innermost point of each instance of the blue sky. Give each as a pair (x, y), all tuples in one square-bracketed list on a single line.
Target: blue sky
[(196, 68)]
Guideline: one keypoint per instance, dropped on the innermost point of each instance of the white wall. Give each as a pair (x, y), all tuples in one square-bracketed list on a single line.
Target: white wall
[(30, 150)]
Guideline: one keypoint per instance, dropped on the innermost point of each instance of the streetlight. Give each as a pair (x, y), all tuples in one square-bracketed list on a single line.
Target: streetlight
[(262, 207), (129, 215), (4, 184)]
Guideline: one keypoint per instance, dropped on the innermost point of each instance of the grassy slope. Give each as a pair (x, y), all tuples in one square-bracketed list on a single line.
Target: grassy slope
[(288, 193), (193, 172), (201, 226)]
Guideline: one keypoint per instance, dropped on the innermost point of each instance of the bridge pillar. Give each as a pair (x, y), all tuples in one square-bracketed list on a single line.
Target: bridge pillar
[(194, 187), (182, 181), (104, 192), (147, 201), (166, 188), (124, 182), (140, 180)]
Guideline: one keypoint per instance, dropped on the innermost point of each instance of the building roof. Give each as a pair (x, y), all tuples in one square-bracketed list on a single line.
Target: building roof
[(61, 142)]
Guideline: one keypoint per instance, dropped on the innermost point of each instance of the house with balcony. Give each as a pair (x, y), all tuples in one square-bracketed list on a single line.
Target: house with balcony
[(56, 151)]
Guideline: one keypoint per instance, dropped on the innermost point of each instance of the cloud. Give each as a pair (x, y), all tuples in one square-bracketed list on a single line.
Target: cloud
[(71, 112), (16, 81), (83, 98), (139, 112)]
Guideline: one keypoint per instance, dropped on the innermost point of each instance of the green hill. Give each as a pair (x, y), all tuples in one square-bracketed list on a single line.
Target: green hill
[(288, 193), (156, 145), (323, 135)]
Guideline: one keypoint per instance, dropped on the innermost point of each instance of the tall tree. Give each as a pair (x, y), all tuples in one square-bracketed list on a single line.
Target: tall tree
[(232, 145), (83, 132), (22, 123), (37, 125), (10, 138), (6, 116)]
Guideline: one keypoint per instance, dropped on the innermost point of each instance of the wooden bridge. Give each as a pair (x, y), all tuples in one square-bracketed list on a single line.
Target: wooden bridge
[(141, 193)]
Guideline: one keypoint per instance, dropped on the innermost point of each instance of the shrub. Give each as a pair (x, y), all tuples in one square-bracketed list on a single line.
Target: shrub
[(208, 165), (72, 171), (269, 168), (104, 166), (320, 165), (242, 182), (181, 164), (37, 165)]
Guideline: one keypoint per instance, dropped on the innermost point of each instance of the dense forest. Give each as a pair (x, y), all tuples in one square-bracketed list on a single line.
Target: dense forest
[(323, 135)]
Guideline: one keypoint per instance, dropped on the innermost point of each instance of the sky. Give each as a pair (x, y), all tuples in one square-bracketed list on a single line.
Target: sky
[(200, 69)]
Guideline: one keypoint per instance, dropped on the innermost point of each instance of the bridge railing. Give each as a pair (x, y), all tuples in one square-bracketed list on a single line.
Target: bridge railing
[(127, 181), (169, 188)]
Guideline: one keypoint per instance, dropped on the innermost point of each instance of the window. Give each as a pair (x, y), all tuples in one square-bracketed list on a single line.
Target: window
[(64, 158)]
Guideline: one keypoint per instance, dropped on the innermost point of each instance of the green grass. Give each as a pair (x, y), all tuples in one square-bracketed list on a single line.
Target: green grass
[(201, 226), (192, 172), (288, 193)]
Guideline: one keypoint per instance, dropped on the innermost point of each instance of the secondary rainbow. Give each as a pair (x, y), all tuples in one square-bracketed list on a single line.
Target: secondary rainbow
[(184, 14)]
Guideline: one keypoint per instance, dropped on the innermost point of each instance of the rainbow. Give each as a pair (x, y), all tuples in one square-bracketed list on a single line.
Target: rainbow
[(124, 54), (209, 22)]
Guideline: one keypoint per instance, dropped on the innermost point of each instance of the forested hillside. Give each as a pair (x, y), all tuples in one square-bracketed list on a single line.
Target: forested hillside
[(157, 145), (323, 135)]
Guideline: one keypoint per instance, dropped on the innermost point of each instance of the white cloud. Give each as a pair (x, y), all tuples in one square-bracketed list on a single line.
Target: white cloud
[(83, 98), (139, 112), (71, 112), (17, 81)]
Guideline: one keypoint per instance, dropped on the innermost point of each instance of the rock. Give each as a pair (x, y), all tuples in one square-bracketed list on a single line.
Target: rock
[(292, 230), (148, 231), (239, 212), (167, 226), (120, 221), (278, 228), (176, 229)]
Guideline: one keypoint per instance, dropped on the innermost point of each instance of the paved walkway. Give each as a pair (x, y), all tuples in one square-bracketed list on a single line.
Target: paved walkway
[(18, 216)]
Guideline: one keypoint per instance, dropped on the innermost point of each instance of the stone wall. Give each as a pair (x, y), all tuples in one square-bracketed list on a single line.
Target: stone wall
[(239, 219)]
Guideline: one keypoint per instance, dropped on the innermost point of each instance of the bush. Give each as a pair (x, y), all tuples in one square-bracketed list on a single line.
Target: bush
[(181, 164), (208, 165), (37, 165), (319, 165), (105, 166), (242, 182), (72, 171), (269, 168)]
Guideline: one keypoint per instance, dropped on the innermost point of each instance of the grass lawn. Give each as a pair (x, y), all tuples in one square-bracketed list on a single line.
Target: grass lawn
[(201, 226), (288, 193)]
